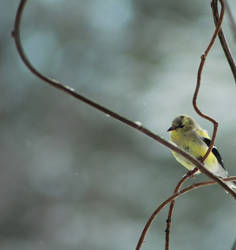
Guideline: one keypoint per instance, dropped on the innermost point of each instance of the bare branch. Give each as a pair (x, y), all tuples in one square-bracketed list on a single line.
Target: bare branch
[(172, 197), (188, 175), (222, 39)]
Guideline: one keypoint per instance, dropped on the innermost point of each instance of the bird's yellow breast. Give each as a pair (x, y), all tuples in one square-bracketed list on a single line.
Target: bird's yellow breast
[(195, 147)]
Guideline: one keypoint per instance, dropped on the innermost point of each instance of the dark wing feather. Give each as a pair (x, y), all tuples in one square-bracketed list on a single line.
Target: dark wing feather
[(214, 151)]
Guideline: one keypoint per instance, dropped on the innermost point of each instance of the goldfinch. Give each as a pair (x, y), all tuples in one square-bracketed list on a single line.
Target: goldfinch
[(189, 136)]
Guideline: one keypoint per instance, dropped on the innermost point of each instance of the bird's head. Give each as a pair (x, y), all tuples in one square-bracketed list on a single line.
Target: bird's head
[(182, 123)]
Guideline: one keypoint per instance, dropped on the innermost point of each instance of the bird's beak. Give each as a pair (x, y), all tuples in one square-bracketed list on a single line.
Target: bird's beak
[(171, 128)]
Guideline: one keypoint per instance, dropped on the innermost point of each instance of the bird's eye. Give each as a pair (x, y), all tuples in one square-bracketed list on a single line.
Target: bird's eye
[(181, 126)]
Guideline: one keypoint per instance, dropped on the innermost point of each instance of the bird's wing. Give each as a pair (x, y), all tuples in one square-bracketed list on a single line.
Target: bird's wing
[(202, 132), (214, 151)]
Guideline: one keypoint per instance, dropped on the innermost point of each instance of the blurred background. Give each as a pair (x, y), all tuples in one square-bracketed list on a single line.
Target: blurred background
[(73, 178)]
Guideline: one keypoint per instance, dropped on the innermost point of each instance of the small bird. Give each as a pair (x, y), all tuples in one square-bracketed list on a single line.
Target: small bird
[(189, 136)]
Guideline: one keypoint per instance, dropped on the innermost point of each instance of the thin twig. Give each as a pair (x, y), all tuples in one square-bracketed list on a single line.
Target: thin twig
[(203, 59), (70, 91), (222, 39), (188, 175), (173, 197)]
